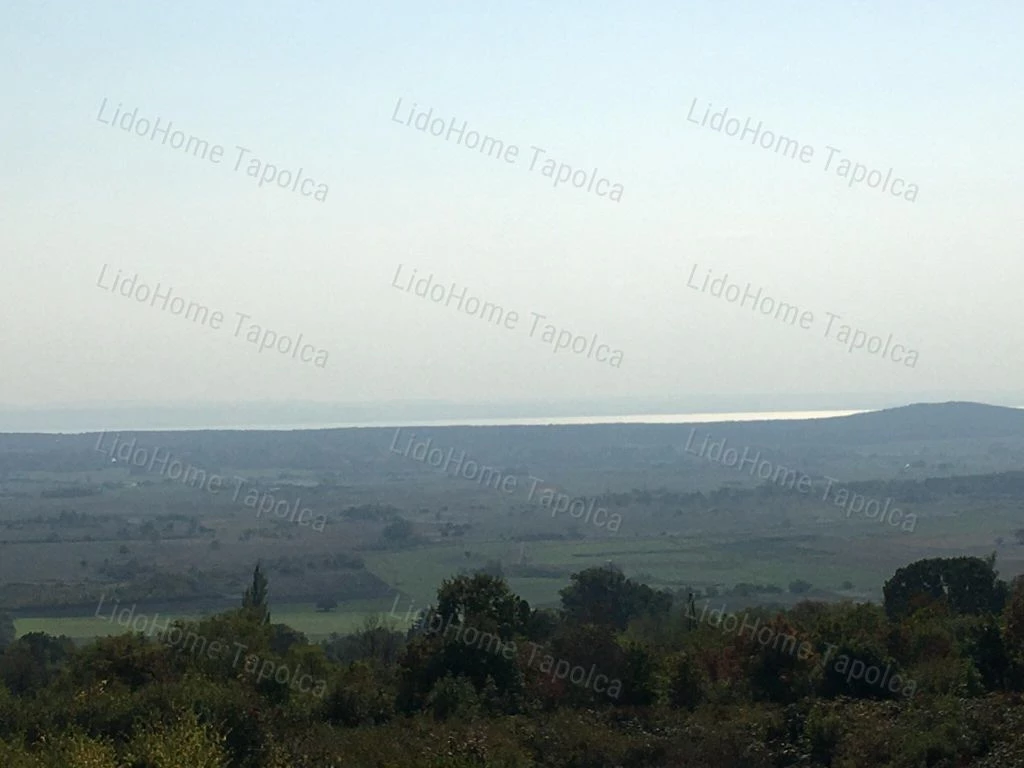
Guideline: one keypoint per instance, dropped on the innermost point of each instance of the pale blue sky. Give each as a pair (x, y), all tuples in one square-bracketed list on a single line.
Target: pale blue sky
[(932, 90)]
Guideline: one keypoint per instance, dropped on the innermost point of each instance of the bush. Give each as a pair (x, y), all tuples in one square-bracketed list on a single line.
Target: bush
[(822, 731), (185, 741), (955, 677), (687, 686), (799, 586), (360, 698), (453, 697)]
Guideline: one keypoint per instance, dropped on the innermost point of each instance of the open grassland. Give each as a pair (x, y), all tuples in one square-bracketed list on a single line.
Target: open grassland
[(396, 528), (304, 617)]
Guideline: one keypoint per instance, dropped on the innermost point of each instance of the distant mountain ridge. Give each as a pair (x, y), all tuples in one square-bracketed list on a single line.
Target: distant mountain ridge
[(83, 417), (580, 443), (919, 421), (942, 420)]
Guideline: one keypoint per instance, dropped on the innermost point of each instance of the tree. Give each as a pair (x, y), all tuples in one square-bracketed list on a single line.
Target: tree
[(32, 661), (363, 696), (7, 633), (687, 687), (326, 604), (128, 659), (966, 584), (185, 740), (376, 641), (604, 596), (638, 675), (586, 646), (453, 697), (799, 586), (482, 597), (283, 638), (398, 532), (255, 598), (985, 647), (774, 669), (467, 636), (1013, 615), (1013, 633)]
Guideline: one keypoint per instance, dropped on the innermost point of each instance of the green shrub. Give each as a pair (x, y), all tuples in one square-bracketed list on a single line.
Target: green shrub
[(184, 742), (687, 686), (453, 697)]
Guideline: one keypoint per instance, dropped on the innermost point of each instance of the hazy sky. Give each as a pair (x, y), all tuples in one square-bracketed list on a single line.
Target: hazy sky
[(931, 90)]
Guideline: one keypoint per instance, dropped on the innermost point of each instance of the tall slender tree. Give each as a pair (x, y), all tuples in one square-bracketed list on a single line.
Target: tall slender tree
[(255, 598), (7, 633)]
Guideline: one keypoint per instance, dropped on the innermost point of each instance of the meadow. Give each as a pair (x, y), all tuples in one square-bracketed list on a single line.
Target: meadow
[(76, 528)]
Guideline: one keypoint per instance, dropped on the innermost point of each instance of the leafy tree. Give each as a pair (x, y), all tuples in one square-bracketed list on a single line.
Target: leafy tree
[(541, 625), (605, 596), (453, 697), (773, 667), (823, 732), (966, 584), (326, 604), (482, 597), (837, 679), (799, 586), (185, 741), (7, 633), (638, 675), (984, 646), (363, 696), (69, 749), (375, 641), (1013, 633), (128, 659), (32, 661), (687, 686), (589, 645), (398, 531), (130, 702), (466, 636), (1013, 614), (283, 638)]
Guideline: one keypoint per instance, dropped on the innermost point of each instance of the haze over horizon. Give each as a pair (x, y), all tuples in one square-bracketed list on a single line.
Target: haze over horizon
[(518, 384), (628, 262), (312, 416)]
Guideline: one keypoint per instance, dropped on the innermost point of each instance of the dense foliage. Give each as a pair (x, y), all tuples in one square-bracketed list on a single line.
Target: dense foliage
[(620, 676)]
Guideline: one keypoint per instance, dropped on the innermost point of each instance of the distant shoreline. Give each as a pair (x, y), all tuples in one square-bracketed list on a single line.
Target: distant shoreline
[(524, 421), (126, 423)]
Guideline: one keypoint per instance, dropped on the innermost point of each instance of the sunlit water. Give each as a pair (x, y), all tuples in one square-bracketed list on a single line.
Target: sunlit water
[(652, 418), (644, 418)]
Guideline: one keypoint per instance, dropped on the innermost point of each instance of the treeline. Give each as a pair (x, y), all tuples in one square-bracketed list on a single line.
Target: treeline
[(1001, 486), (621, 675)]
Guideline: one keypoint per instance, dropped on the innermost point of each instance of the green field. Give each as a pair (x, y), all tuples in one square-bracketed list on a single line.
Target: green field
[(670, 562), (346, 618), (304, 617), (76, 627)]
